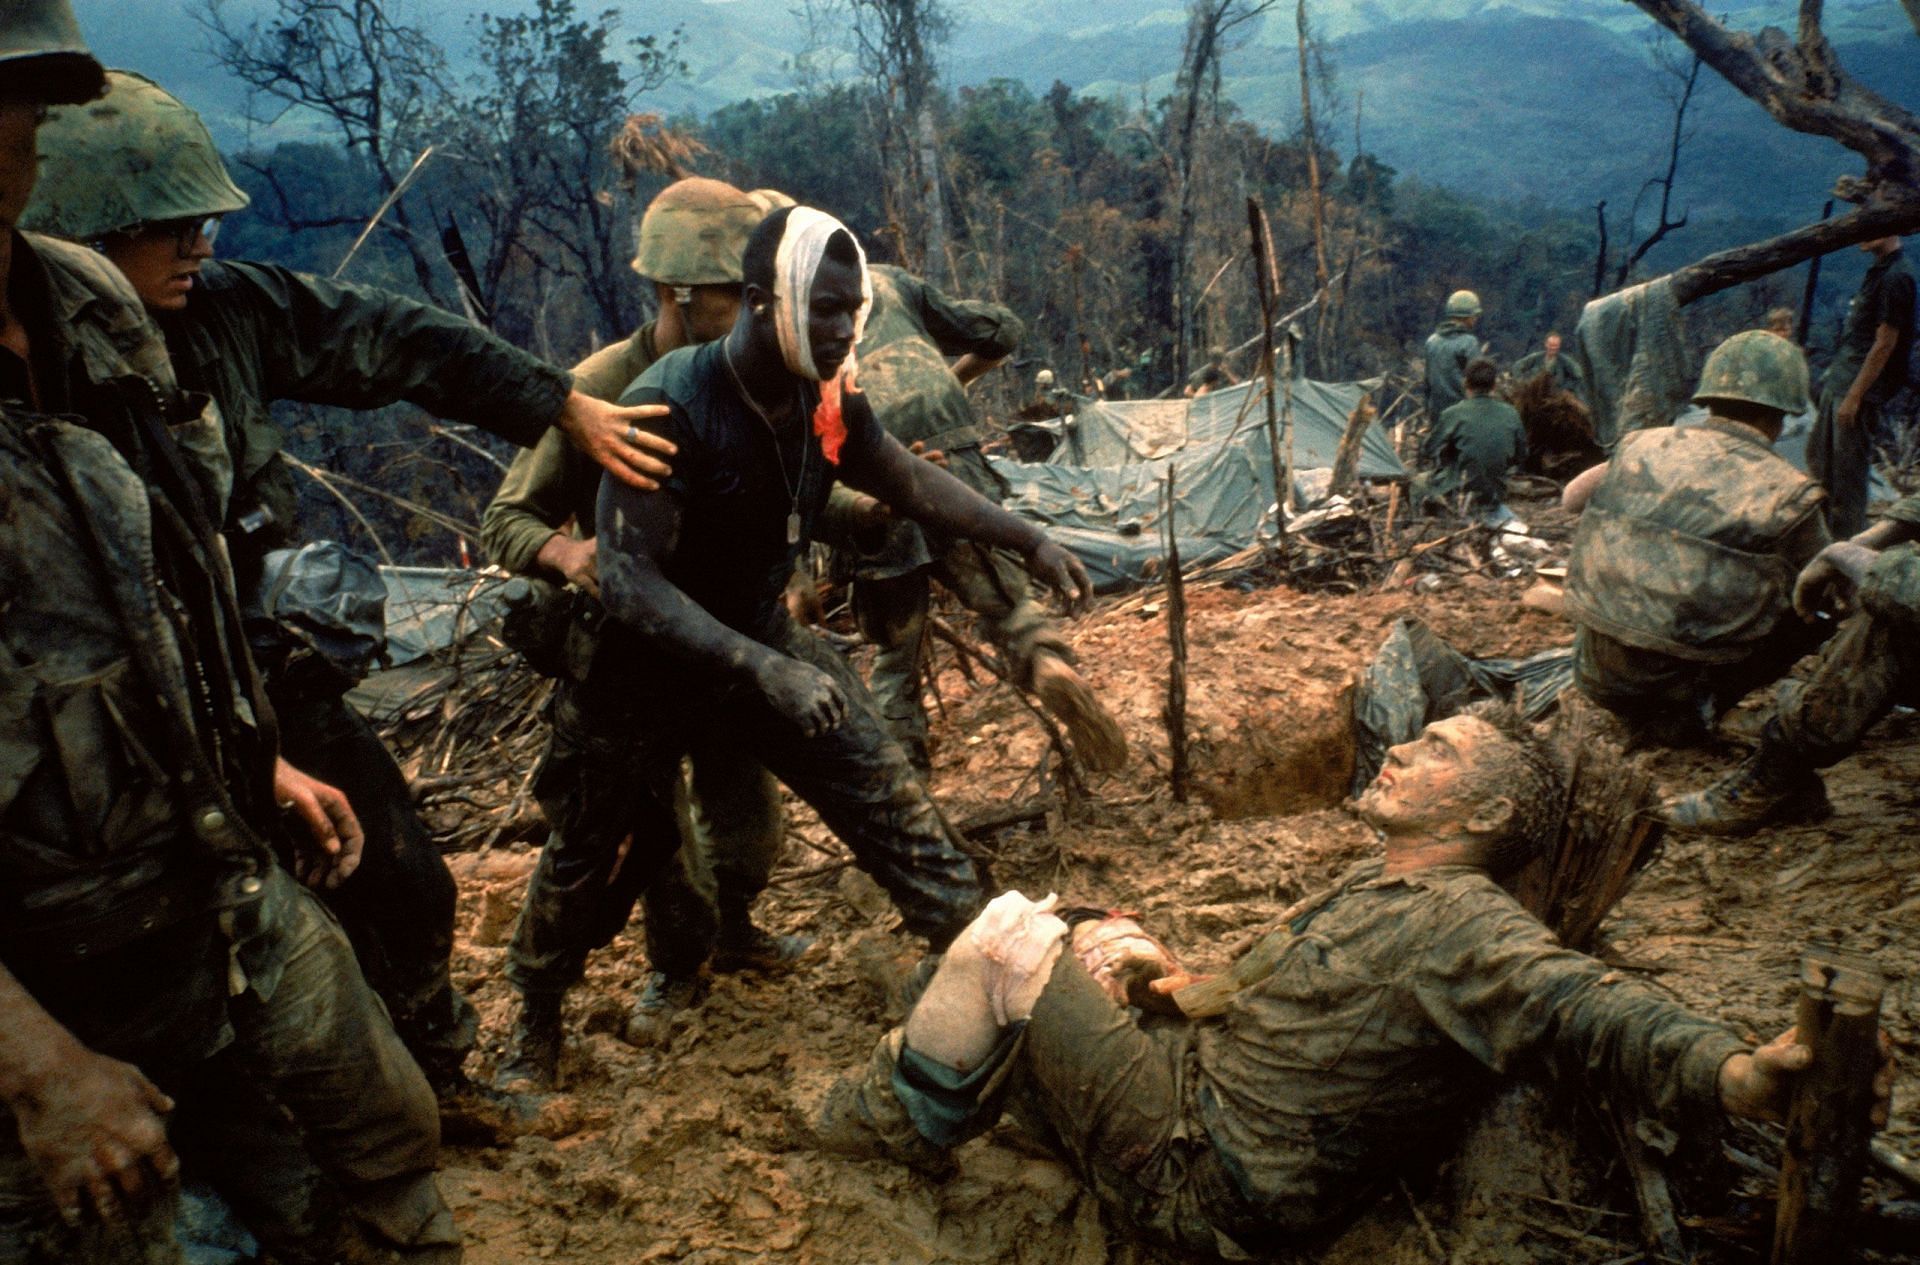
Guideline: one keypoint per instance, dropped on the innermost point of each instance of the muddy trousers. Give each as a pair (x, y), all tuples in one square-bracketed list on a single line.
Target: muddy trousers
[(1840, 458), (398, 908), (1872, 664), (892, 614), (1647, 688), (1114, 1101), (585, 884), (319, 1044)]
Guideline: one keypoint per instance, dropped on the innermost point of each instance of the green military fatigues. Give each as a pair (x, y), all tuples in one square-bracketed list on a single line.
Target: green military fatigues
[(1872, 663), (910, 332), (1840, 456), (1681, 579), (142, 904), (252, 334), (1475, 444), (1393, 1010), (730, 813), (1447, 352), (1566, 374)]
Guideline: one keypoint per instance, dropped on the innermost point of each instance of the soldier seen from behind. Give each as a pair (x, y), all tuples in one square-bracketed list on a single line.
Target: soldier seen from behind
[(1448, 351), (1681, 577), (1476, 444)]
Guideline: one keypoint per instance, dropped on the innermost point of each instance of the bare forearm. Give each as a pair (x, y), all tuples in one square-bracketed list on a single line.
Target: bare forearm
[(33, 1044), (1581, 490), (639, 595), (971, 366), (1884, 341)]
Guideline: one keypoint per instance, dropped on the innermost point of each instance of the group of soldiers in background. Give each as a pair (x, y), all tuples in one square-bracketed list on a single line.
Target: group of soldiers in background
[(182, 783)]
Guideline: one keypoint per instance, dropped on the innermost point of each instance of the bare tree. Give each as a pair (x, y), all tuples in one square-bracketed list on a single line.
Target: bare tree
[(1681, 77), (372, 77), (1211, 25), (896, 41), (1799, 80)]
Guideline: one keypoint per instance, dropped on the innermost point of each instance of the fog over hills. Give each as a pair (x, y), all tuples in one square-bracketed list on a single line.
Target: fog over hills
[(1555, 100)]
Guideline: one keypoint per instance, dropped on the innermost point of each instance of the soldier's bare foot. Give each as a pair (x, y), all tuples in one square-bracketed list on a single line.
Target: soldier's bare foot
[(1095, 734)]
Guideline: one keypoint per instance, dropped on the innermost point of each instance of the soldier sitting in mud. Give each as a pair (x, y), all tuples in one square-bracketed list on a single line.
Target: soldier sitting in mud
[(1872, 663), (1364, 1030), (1682, 569)]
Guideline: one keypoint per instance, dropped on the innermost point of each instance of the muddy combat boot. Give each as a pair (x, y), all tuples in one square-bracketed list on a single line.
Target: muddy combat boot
[(532, 1063), (650, 1021), (861, 1119), (1773, 786), (1096, 735), (745, 947)]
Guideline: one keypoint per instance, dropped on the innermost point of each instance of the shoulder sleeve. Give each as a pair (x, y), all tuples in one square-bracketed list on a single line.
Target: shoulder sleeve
[(960, 327), (608, 372), (1507, 992), (546, 485), (325, 342)]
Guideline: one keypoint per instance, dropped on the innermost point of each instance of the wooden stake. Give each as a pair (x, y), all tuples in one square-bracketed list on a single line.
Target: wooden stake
[(1175, 713), (1829, 1124), (1263, 277)]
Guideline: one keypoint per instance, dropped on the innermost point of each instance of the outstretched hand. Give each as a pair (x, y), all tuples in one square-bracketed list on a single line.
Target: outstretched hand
[(804, 694), (1060, 571), (330, 853), (614, 437), (1759, 1085)]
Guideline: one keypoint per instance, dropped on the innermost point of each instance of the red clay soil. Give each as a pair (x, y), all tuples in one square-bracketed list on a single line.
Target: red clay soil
[(689, 1152)]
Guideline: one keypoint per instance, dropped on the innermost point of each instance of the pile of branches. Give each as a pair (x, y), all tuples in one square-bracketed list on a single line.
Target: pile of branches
[(469, 736), (1371, 541)]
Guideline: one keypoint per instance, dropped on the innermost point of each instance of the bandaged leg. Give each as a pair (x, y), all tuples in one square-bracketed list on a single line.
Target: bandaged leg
[(988, 981)]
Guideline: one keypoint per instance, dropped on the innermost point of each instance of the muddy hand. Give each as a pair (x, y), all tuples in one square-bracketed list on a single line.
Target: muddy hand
[(1061, 571), (331, 851), (618, 439), (804, 695), (97, 1135)]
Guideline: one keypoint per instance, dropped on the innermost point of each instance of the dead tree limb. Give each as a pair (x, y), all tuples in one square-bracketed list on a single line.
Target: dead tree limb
[(1799, 80), (1263, 277), (1689, 82), (1175, 712), (1829, 1123), (1346, 460)]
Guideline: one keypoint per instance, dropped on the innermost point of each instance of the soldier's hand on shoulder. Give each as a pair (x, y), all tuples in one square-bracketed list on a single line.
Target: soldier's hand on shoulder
[(617, 439), (328, 839), (804, 694), (97, 1135), (1060, 571)]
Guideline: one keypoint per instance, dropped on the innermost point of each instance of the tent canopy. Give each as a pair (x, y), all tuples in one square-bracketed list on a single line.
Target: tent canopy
[(1100, 490)]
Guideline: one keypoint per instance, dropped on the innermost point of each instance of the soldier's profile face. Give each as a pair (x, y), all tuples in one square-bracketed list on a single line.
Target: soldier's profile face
[(1426, 783)]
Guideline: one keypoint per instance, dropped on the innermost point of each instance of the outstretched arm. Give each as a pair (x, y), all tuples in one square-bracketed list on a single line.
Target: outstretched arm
[(639, 531), (920, 490)]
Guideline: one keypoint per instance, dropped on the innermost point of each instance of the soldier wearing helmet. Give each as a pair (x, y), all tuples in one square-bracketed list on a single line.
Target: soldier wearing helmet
[(136, 175), (1681, 578), (1449, 348), (541, 524), (148, 924)]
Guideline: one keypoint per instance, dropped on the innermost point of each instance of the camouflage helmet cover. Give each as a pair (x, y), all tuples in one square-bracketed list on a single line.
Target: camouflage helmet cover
[(1463, 303), (1759, 367), (695, 232), (42, 35), (136, 156)]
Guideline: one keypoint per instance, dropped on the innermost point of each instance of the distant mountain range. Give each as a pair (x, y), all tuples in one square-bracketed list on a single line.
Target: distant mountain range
[(1557, 102)]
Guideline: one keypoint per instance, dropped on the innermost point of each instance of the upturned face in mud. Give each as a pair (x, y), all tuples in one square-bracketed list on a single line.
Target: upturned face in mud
[(1428, 787)]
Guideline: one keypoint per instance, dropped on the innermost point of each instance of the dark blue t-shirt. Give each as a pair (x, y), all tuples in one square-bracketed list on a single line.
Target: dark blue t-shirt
[(737, 484)]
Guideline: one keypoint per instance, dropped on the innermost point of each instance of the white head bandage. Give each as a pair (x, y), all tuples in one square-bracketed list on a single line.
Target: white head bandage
[(802, 246)]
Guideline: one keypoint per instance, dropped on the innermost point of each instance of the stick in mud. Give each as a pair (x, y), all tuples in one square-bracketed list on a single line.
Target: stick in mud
[(1830, 1122), (1175, 713)]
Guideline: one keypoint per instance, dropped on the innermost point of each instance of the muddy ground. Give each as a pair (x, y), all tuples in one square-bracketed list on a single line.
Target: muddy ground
[(690, 1153)]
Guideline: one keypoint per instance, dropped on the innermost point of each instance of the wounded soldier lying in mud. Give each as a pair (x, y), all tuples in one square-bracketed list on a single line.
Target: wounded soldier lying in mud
[(1364, 1029)]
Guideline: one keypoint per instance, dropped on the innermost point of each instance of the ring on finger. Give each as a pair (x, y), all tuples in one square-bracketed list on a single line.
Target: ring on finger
[(633, 434)]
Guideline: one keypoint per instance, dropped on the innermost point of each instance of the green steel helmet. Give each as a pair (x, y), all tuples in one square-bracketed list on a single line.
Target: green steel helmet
[(695, 233), (136, 156), (1758, 367), (47, 61), (1463, 303)]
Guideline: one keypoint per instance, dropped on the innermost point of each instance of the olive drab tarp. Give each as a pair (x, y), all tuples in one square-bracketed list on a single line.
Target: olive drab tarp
[(1099, 492)]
